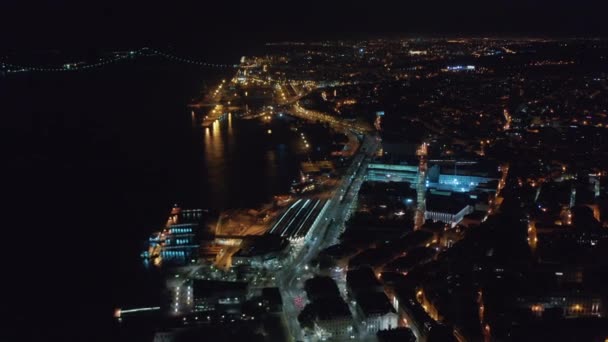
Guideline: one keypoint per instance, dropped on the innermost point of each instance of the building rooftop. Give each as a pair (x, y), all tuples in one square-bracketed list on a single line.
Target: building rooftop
[(333, 308), (321, 288), (316, 167), (339, 250), (374, 303), (362, 279), (413, 257), (273, 294), (444, 204), (476, 215), (480, 169), (400, 334), (578, 329), (261, 245), (204, 288)]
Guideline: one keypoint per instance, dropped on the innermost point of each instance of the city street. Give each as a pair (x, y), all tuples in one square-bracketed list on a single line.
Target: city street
[(339, 208)]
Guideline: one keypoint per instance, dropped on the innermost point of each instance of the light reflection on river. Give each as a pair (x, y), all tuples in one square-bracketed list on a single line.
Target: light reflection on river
[(244, 165)]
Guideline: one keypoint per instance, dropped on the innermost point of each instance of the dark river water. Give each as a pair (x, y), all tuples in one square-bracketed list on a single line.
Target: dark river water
[(93, 162)]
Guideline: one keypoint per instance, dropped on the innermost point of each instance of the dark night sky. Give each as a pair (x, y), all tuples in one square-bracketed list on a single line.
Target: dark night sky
[(111, 23)]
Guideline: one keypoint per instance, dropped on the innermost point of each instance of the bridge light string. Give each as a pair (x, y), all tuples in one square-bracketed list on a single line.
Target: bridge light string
[(14, 68)]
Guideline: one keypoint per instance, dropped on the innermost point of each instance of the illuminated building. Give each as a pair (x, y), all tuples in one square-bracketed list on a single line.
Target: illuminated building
[(392, 173), (223, 296), (446, 209)]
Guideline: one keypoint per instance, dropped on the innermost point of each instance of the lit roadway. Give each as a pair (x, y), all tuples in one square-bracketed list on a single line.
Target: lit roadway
[(283, 98), (334, 217), (301, 112), (330, 224), (282, 94)]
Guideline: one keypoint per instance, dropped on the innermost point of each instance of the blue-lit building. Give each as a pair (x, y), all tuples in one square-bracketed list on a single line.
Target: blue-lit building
[(447, 183), (448, 175), (462, 176), (460, 68), (378, 172), (178, 243)]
